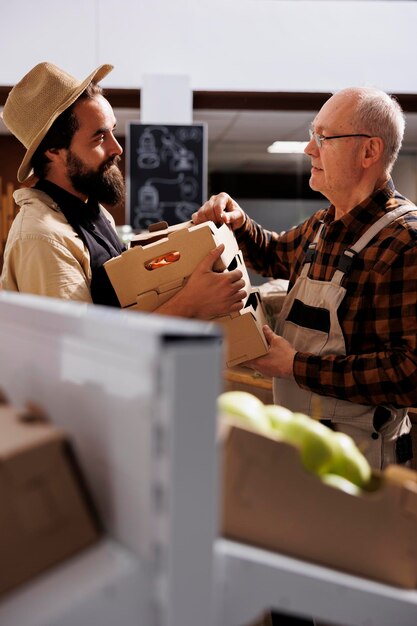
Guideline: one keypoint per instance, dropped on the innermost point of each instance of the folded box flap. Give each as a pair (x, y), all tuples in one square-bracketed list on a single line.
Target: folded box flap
[(153, 299), (157, 231)]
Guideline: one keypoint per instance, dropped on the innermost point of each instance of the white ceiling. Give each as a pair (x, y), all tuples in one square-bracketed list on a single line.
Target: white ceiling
[(238, 140)]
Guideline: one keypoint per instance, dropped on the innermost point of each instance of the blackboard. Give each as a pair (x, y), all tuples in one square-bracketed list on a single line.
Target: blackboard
[(166, 173)]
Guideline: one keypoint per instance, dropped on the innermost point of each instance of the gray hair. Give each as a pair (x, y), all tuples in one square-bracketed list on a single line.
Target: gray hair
[(380, 115)]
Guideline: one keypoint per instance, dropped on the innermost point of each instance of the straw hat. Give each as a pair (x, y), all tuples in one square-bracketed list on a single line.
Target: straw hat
[(37, 100)]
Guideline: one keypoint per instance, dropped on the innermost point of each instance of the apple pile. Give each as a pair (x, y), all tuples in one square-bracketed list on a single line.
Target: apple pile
[(331, 455)]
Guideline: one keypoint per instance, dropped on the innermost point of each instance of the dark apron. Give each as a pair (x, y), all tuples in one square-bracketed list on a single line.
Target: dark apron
[(96, 232), (103, 244)]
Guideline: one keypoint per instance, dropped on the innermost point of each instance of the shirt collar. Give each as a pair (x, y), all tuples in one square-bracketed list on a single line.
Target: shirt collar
[(367, 211), (82, 212)]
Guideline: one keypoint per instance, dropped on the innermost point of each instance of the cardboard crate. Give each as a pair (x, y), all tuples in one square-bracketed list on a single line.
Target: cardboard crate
[(142, 289), (145, 289), (155, 297), (45, 513), (271, 501), (243, 331)]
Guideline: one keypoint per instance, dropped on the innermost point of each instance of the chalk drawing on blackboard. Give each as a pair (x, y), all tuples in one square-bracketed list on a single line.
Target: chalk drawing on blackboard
[(166, 177), (150, 209), (190, 133), (173, 152), (148, 155)]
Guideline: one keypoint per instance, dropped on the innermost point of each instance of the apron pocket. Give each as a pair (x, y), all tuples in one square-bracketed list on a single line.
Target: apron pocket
[(307, 316)]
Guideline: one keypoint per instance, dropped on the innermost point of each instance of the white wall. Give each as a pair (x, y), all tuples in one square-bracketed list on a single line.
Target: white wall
[(404, 175), (259, 45), (242, 45)]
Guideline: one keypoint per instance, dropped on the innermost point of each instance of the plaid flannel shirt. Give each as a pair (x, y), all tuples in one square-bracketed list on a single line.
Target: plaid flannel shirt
[(378, 314)]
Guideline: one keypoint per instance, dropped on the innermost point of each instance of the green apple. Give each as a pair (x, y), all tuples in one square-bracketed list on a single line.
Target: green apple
[(245, 408), (334, 480), (277, 415), (313, 440), (348, 461)]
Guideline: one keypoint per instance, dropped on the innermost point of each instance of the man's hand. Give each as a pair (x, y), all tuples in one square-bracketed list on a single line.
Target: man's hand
[(278, 362), (207, 293), (220, 209)]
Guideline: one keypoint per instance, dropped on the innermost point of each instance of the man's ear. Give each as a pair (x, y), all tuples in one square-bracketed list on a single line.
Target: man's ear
[(56, 156), (373, 151)]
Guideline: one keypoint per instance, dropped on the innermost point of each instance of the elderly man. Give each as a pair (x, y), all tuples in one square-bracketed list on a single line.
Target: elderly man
[(345, 343), (62, 235)]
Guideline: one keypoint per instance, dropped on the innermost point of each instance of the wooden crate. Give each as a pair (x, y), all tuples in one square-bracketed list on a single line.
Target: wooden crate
[(244, 379)]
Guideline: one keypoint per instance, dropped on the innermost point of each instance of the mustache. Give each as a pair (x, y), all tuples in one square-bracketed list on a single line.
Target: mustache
[(114, 160)]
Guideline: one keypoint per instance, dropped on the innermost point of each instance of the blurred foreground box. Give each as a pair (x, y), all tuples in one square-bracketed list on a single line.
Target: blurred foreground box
[(45, 512), (271, 501)]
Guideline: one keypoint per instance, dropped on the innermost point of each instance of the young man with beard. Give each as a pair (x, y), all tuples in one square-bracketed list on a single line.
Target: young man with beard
[(62, 235)]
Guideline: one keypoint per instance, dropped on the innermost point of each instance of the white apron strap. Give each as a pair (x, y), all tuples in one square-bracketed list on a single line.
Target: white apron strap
[(311, 251), (350, 253)]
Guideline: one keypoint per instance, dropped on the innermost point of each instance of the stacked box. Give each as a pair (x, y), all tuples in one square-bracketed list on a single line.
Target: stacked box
[(158, 264)]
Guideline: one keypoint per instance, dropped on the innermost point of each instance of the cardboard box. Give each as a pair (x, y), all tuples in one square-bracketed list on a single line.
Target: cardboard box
[(153, 298), (157, 231), (243, 331), (45, 515), (174, 252), (271, 501), (139, 287)]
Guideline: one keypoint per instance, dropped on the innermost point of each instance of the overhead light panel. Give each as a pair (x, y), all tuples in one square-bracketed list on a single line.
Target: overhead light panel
[(287, 147)]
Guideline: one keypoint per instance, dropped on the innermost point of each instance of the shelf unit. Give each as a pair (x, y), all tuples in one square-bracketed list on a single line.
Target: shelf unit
[(137, 394), (250, 580)]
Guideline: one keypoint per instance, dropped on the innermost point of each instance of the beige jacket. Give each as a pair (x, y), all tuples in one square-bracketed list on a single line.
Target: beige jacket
[(43, 253)]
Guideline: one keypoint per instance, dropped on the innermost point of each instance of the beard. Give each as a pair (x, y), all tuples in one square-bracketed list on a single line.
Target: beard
[(106, 184)]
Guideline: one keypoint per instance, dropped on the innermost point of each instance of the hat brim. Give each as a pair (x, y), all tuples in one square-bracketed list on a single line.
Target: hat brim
[(25, 169)]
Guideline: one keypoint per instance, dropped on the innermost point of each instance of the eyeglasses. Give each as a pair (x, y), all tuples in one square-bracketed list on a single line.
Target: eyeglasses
[(320, 138)]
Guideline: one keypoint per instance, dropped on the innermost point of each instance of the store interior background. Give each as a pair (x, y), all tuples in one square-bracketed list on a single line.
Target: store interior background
[(254, 71)]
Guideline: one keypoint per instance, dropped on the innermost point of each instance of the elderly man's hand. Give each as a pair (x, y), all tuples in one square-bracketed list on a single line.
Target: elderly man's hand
[(279, 360), (220, 209)]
